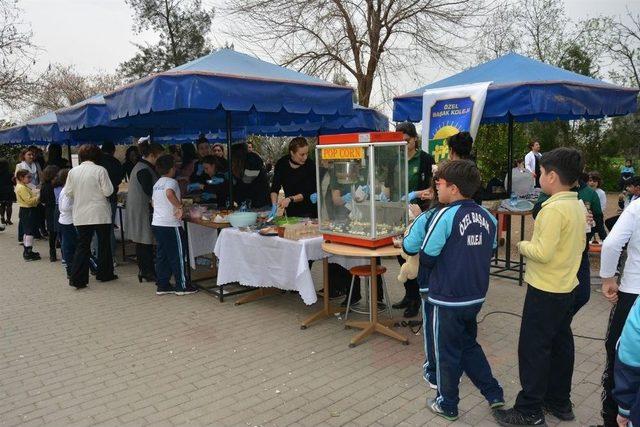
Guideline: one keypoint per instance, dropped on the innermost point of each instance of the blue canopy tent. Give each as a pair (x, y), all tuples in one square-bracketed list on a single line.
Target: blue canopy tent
[(88, 120), (524, 90), (226, 89), (364, 120), (38, 131)]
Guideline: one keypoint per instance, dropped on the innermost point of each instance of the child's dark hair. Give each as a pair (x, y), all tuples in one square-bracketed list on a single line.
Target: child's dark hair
[(21, 174), (461, 143), (61, 178), (213, 160), (49, 173), (595, 177), (633, 181), (463, 173), (566, 162), (165, 163)]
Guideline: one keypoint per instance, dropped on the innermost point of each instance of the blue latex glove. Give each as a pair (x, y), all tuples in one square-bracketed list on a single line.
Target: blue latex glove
[(347, 198), (206, 196), (383, 197), (274, 211), (215, 180), (314, 198), (193, 187), (411, 196), (366, 189)]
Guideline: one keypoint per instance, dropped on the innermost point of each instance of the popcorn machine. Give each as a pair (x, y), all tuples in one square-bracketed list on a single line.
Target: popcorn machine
[(362, 187)]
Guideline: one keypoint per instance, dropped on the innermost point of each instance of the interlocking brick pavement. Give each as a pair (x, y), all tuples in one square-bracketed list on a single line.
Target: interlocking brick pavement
[(117, 354)]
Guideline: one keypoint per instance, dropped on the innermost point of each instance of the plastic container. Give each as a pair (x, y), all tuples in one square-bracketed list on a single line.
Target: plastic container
[(243, 219)]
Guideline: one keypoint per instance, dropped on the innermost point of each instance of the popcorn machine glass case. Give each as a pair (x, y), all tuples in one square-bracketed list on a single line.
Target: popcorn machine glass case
[(362, 187)]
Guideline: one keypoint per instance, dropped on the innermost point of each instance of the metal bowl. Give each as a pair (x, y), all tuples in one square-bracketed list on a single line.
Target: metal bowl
[(346, 172)]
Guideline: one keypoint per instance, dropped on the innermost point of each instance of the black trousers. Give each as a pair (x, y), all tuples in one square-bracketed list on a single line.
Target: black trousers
[(411, 288), (80, 266), (617, 319), (144, 257), (545, 351), (610, 222)]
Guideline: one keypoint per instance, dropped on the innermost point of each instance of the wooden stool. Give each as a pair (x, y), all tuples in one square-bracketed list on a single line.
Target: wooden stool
[(364, 272)]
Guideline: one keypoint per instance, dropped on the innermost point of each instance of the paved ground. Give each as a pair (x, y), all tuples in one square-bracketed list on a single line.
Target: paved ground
[(117, 354)]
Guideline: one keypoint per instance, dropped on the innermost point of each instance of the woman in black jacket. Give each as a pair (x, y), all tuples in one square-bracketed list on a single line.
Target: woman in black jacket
[(295, 173)]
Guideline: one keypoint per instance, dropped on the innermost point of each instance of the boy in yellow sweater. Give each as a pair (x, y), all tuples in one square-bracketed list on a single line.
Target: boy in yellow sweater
[(545, 348), (28, 201)]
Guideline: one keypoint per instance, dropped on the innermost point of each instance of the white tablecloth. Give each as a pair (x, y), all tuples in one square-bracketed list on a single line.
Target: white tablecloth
[(202, 241), (260, 261)]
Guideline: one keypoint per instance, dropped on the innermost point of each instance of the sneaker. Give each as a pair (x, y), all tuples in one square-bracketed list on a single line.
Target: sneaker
[(165, 290), (496, 403), (434, 406), (563, 414), (514, 418), (187, 291)]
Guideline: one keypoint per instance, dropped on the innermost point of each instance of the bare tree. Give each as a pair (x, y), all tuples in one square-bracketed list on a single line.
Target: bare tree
[(17, 54), (365, 39), (539, 29), (620, 39), (62, 86)]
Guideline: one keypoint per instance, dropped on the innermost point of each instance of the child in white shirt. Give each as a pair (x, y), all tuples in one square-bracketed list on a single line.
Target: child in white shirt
[(167, 229)]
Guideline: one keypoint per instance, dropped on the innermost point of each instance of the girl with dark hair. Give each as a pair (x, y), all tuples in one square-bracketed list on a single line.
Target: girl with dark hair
[(138, 212), (48, 199), (131, 157), (7, 195), (55, 157), (295, 173), (65, 228)]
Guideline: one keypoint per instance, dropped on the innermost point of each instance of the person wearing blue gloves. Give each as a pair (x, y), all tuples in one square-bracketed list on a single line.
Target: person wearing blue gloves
[(204, 149), (211, 182), (295, 174), (419, 179)]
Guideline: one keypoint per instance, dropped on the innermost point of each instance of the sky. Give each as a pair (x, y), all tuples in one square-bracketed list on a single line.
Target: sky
[(97, 35)]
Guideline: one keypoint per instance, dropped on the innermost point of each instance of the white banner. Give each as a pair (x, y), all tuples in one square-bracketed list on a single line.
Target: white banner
[(449, 110)]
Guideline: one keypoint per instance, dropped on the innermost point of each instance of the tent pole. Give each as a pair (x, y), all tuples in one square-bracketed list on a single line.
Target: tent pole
[(69, 153), (228, 113), (510, 154)]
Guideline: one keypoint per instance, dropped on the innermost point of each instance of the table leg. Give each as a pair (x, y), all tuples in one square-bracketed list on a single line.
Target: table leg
[(187, 261), (374, 325), (521, 267), (122, 241), (327, 310), (508, 242), (257, 294)]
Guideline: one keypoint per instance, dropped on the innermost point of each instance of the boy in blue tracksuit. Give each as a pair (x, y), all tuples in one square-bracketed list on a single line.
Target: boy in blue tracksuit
[(627, 370), (455, 256)]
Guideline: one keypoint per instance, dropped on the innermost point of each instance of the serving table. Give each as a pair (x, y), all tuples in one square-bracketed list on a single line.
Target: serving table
[(505, 267)]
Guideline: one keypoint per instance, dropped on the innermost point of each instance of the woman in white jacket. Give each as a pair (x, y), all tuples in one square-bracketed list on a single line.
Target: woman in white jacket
[(89, 186)]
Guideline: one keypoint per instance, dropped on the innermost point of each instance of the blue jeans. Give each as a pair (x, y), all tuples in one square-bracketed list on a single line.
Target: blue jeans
[(429, 366), (170, 257), (456, 351), (68, 239)]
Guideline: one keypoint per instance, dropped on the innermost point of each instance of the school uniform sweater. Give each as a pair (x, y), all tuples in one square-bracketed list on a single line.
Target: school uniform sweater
[(555, 250), (455, 254), (627, 368)]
